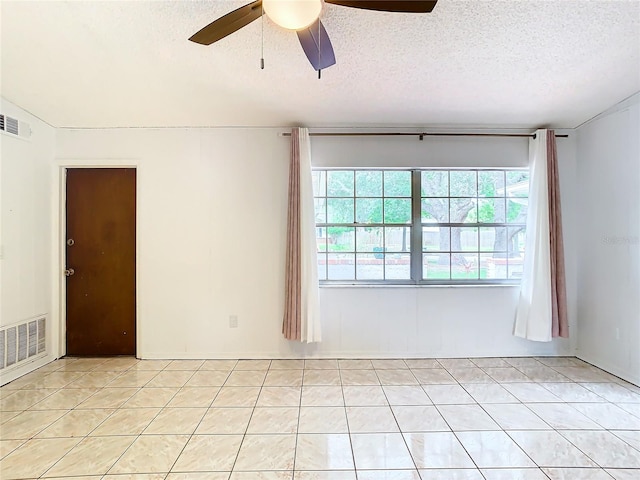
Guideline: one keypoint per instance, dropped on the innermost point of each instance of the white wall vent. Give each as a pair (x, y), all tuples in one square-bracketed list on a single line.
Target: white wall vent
[(21, 342), (13, 126)]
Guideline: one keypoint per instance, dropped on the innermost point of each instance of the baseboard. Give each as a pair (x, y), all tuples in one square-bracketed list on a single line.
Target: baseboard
[(321, 355), (612, 369), (27, 367)]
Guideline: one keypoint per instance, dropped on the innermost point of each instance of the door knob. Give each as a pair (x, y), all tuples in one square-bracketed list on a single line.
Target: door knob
[(68, 272)]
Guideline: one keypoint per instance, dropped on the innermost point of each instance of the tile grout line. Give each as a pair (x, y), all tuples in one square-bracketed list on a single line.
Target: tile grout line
[(519, 401), (86, 436), (505, 432), (501, 429), (156, 416), (482, 408), (295, 448), (302, 387), (199, 422), (346, 417), (255, 405), (143, 430), (559, 432), (449, 425), (404, 440)]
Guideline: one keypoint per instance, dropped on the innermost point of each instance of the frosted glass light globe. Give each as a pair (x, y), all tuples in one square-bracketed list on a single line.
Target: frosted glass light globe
[(293, 14)]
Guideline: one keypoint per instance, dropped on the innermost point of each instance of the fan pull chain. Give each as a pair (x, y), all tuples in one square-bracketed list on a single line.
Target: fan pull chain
[(262, 37), (319, 52)]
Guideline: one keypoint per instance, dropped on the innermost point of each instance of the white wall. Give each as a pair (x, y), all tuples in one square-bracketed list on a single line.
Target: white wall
[(439, 321), (609, 240), (25, 228), (211, 234)]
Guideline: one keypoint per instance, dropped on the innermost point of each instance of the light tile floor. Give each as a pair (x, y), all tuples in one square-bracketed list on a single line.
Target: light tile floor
[(449, 419)]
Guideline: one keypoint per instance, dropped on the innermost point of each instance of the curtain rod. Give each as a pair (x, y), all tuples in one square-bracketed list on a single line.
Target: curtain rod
[(421, 135)]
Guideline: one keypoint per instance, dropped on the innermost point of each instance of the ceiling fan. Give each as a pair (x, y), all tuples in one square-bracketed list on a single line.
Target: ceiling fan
[(303, 17)]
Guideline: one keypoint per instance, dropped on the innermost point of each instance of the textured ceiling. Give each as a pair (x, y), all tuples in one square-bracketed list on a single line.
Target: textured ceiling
[(515, 63)]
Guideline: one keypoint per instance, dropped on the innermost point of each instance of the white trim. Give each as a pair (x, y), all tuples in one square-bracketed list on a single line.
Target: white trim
[(340, 355), (26, 320), (17, 137), (27, 366), (58, 316), (621, 105), (605, 365)]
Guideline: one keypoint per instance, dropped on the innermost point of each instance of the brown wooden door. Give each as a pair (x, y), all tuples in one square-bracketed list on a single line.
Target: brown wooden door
[(101, 252)]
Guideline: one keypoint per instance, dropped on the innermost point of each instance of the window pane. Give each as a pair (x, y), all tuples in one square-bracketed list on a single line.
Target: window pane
[(397, 266), (322, 266), (464, 266), (340, 183), (368, 183), (491, 210), (493, 266), (435, 183), (490, 183), (320, 205), (341, 266), (515, 242), (435, 210), (493, 239), (369, 267), (397, 184), (464, 239), (365, 217), (463, 210), (435, 239), (369, 210), (340, 210), (517, 210), (397, 210), (397, 239), (321, 239), (369, 239), (515, 252), (319, 178), (463, 183), (340, 239), (435, 266), (517, 183), (514, 268)]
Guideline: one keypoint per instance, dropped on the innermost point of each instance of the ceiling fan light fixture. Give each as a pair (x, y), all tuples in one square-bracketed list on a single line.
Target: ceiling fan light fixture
[(293, 14)]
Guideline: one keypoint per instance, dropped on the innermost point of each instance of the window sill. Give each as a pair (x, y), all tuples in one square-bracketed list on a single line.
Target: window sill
[(420, 285)]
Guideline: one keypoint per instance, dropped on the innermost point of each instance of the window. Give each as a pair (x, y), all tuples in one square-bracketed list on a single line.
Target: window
[(420, 226)]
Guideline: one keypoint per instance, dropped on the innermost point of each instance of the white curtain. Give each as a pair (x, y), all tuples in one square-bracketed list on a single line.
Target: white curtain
[(301, 317), (309, 247), (534, 314)]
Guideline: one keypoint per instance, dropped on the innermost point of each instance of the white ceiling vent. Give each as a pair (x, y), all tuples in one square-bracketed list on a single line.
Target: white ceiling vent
[(14, 127)]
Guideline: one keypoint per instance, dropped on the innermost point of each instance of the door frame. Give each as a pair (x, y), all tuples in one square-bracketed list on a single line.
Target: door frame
[(59, 222)]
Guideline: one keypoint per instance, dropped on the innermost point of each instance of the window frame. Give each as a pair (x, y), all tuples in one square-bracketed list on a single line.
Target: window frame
[(416, 251)]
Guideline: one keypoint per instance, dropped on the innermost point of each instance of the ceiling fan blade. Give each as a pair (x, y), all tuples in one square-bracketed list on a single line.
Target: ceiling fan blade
[(408, 6), (228, 24), (317, 46)]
